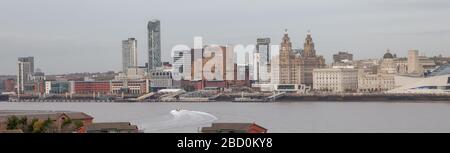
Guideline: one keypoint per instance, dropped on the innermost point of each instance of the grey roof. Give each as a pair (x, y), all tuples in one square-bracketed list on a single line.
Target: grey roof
[(388, 55), (38, 114), (229, 126), (111, 125)]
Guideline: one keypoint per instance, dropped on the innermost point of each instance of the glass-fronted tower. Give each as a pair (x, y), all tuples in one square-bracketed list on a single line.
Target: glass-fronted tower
[(154, 44), (25, 72)]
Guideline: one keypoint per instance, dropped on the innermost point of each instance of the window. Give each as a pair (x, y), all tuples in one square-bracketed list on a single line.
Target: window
[(448, 80)]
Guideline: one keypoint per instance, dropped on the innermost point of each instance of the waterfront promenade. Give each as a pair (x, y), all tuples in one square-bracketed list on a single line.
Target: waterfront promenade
[(263, 97)]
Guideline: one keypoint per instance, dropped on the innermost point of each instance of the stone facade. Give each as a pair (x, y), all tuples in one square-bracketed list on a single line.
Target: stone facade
[(295, 68), (375, 82), (335, 80)]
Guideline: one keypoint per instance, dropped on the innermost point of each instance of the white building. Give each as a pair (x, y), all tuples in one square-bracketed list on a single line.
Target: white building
[(335, 80), (162, 79), (435, 84), (129, 54), (132, 73), (25, 72), (182, 64)]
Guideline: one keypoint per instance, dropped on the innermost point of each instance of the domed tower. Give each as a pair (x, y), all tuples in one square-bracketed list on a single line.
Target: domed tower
[(388, 55), (388, 65)]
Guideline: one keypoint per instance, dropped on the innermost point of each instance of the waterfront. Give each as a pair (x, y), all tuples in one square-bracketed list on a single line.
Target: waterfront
[(277, 117)]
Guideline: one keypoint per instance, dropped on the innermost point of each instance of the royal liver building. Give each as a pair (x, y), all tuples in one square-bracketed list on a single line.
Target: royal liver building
[(154, 44), (297, 68)]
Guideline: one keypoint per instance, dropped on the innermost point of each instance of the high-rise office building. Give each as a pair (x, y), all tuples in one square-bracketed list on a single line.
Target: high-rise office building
[(129, 54), (25, 72), (263, 47), (262, 64), (154, 44), (182, 64), (341, 56)]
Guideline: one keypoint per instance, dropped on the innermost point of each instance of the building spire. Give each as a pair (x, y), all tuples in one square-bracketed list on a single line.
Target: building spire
[(309, 32)]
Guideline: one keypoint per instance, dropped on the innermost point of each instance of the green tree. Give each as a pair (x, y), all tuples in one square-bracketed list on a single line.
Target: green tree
[(30, 126), (12, 123), (78, 124)]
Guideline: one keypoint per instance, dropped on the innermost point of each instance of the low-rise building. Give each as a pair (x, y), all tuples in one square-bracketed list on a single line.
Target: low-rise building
[(92, 87), (60, 121), (435, 84), (335, 80), (58, 87), (375, 82), (112, 127), (162, 79), (136, 87), (9, 85), (234, 128)]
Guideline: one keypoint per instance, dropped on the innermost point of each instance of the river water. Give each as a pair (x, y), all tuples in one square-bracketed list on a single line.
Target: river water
[(276, 117)]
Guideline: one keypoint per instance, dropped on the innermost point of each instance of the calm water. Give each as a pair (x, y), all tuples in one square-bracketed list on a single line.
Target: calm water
[(277, 117)]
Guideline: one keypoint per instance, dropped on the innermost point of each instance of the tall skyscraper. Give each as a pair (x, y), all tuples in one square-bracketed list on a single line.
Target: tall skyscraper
[(25, 72), (154, 44), (129, 54), (263, 47), (262, 64)]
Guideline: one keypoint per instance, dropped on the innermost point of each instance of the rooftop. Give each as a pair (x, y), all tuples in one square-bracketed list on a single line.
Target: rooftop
[(40, 114)]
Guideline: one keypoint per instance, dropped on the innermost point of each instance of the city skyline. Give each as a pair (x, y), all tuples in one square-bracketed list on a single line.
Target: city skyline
[(366, 35)]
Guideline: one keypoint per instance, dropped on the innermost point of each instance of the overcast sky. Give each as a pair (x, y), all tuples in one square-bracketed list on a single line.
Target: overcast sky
[(85, 35)]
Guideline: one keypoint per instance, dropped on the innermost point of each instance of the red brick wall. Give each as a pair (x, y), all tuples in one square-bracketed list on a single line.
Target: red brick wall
[(9, 85), (102, 87)]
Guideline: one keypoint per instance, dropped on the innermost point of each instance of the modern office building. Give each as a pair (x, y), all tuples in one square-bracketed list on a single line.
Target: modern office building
[(58, 87), (162, 79), (154, 44), (435, 84), (182, 64), (129, 54), (262, 60), (25, 72), (342, 56)]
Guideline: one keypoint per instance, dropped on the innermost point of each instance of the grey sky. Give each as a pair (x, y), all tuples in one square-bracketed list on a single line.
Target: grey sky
[(85, 35)]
